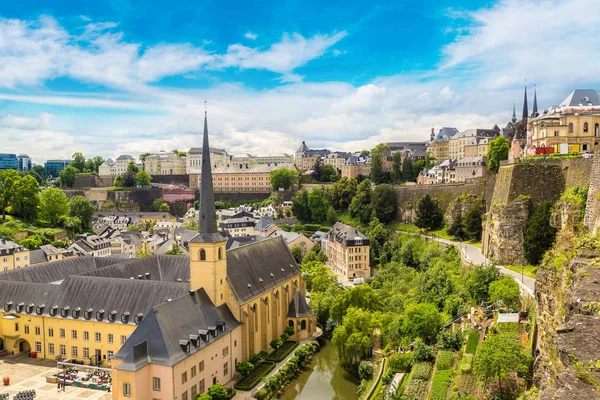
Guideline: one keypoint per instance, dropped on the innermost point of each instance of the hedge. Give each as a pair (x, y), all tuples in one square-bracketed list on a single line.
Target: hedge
[(254, 377), (472, 342), (281, 353), (421, 371), (444, 360), (440, 384)]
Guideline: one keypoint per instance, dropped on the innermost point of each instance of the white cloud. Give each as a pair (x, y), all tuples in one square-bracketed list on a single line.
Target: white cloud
[(250, 35)]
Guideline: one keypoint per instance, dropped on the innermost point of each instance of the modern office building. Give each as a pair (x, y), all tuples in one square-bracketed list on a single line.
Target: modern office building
[(54, 167), (25, 163), (8, 161)]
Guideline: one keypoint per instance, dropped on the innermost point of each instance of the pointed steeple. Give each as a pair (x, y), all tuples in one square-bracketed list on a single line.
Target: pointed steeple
[(207, 223), (534, 112), (514, 116), (525, 107)]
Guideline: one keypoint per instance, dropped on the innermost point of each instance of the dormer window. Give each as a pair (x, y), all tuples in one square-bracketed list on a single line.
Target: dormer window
[(213, 330), (100, 315), (29, 308), (138, 318), (53, 311), (8, 306), (40, 309), (65, 312), (112, 317), (87, 314), (195, 339), (125, 317), (185, 345), (76, 312), (204, 334), (20, 307), (221, 325)]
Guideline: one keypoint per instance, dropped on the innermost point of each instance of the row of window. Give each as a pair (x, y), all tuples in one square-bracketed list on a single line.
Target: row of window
[(74, 350), (74, 334)]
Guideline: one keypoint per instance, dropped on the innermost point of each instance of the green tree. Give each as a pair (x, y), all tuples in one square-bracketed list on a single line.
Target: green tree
[(41, 171), (68, 176), (131, 167), (479, 280), (377, 237), (83, 209), (217, 392), (300, 206), (363, 297), (539, 234), (505, 290), (244, 368), (315, 254), (500, 355), (276, 343), (283, 178), (365, 370), (53, 205), (352, 338), (422, 320), (473, 221), (436, 285), (317, 170), (296, 253), (143, 156), (175, 250), (331, 216), (422, 352), (164, 207), (318, 206), (156, 204), (341, 193), (328, 173), (128, 178), (27, 198), (429, 214), (377, 155), (408, 174), (142, 178), (78, 162), (203, 396), (9, 179), (361, 205), (457, 228), (385, 203), (498, 151), (97, 162), (397, 167)]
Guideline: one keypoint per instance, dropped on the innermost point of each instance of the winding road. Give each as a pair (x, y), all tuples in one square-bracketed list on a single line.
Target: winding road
[(473, 255)]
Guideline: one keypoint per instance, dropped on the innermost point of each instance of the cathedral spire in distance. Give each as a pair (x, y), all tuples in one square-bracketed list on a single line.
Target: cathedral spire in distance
[(514, 115), (525, 107), (534, 112)]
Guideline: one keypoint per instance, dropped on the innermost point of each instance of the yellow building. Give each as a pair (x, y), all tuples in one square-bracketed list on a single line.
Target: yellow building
[(348, 252), (241, 177), (478, 147), (164, 163), (337, 160), (12, 255), (46, 253), (456, 146), (575, 123)]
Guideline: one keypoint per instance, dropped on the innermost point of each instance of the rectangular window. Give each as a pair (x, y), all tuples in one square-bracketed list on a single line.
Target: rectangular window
[(110, 338), (156, 384), (86, 335), (184, 395), (194, 392), (123, 339), (38, 331), (126, 390), (26, 329), (193, 371), (62, 333), (110, 354), (86, 352), (73, 334), (51, 349), (98, 337), (225, 369), (183, 378), (38, 347), (226, 351), (201, 387), (74, 352), (201, 367), (63, 350)]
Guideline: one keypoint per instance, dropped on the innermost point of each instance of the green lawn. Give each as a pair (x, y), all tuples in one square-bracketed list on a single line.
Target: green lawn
[(440, 233), (472, 342), (528, 270)]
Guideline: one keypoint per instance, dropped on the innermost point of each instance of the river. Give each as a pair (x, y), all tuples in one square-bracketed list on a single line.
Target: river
[(322, 379)]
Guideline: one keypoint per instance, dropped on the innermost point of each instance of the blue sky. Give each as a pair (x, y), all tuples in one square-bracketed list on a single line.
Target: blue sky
[(127, 76)]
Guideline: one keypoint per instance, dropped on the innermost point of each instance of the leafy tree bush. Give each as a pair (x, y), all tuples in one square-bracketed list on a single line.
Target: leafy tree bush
[(361, 206), (68, 176), (472, 222), (498, 151), (283, 178), (385, 203), (142, 178), (422, 371), (505, 290), (289, 330), (318, 206), (452, 340), (300, 206), (217, 392), (53, 205), (296, 253), (539, 234), (397, 167), (83, 209), (254, 358), (27, 199), (341, 193), (331, 216), (276, 343), (401, 361), (422, 352), (175, 250), (429, 214), (500, 355), (457, 229), (422, 320), (444, 360), (244, 368), (479, 280), (365, 370)]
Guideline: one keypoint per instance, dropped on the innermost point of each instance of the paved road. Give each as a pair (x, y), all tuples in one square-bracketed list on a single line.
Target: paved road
[(473, 255)]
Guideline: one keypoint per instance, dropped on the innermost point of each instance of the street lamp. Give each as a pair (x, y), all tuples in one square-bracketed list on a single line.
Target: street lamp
[(522, 268)]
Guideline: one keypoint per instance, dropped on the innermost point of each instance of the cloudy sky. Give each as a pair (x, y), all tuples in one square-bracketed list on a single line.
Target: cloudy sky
[(129, 76)]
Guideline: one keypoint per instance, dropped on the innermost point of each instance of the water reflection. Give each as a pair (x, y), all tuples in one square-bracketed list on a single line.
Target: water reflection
[(322, 379)]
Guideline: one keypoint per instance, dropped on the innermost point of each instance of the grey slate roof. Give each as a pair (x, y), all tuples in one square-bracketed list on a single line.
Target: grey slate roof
[(37, 257), (158, 338), (343, 233), (255, 269), (160, 267), (235, 242), (57, 270), (585, 97), (124, 157), (264, 223), (298, 307)]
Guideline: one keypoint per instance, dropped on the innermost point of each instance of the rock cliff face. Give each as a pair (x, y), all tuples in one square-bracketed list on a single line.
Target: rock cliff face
[(568, 302), (504, 231), (459, 206), (592, 210)]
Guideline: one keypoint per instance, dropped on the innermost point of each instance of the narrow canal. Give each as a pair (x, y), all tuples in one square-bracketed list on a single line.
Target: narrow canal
[(322, 379)]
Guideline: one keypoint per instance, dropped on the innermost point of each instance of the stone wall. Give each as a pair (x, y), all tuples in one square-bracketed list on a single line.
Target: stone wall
[(504, 231), (171, 179), (592, 210), (459, 206)]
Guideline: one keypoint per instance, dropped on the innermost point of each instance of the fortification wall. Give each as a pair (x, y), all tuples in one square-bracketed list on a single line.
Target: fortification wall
[(592, 209)]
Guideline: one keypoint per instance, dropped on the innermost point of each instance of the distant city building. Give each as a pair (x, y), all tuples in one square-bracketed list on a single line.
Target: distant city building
[(336, 159), (458, 142), (218, 157), (250, 159), (25, 163), (115, 168), (9, 161), (54, 167), (439, 146), (478, 147), (470, 168), (241, 226), (356, 165), (306, 158), (295, 239), (12, 255), (241, 177), (348, 252), (572, 126), (164, 163), (46, 253)]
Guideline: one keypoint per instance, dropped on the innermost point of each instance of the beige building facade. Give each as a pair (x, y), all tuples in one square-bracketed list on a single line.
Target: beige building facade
[(241, 177), (348, 252), (164, 163), (470, 168), (218, 157), (12, 255)]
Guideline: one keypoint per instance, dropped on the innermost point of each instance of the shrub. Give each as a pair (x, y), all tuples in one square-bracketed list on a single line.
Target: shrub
[(472, 342), (450, 340), (217, 392), (444, 360), (283, 351), (401, 362), (422, 352), (466, 364), (289, 330), (421, 371), (250, 381), (539, 234), (263, 354), (244, 368), (440, 384), (254, 358), (276, 343), (365, 370), (429, 214)]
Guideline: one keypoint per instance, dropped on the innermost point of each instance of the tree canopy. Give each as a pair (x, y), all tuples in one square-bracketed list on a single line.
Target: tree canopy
[(284, 178), (505, 290), (385, 203), (142, 178), (83, 209), (68, 176), (362, 203), (499, 355), (539, 234), (53, 205), (429, 214), (498, 151)]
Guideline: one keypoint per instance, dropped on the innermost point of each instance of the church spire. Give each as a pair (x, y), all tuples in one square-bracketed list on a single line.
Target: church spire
[(207, 223), (534, 112), (525, 107), (514, 115)]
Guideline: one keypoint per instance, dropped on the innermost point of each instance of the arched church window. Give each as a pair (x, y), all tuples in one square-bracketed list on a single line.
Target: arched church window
[(291, 323), (585, 127), (570, 127), (303, 325), (597, 130), (202, 255)]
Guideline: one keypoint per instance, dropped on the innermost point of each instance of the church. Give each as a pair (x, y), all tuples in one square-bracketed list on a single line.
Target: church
[(168, 327)]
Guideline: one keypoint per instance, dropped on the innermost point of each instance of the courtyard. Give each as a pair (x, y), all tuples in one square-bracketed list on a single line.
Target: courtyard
[(28, 374)]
